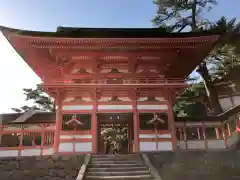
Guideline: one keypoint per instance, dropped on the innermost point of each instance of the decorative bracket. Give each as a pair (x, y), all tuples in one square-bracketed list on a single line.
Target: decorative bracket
[(74, 121)]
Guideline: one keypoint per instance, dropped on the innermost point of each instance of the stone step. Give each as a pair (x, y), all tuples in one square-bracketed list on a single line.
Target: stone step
[(139, 177), (120, 173), (117, 169), (116, 156), (116, 159), (114, 165), (115, 162)]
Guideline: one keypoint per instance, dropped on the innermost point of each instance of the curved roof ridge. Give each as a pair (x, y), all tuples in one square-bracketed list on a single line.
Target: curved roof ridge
[(84, 32)]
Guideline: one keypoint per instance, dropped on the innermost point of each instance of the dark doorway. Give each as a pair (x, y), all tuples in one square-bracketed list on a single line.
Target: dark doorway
[(115, 126)]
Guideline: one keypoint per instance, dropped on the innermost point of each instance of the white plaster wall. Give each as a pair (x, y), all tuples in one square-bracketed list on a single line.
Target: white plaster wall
[(115, 107), (77, 107), (154, 135), (216, 144), (84, 136), (196, 144), (48, 151), (225, 103), (181, 144), (87, 99), (142, 99), (68, 99), (145, 98), (151, 146), (31, 152), (83, 147), (165, 146), (125, 99), (236, 100), (147, 146), (160, 98), (8, 153), (233, 139), (26, 152), (200, 144), (103, 99), (66, 147), (152, 107)]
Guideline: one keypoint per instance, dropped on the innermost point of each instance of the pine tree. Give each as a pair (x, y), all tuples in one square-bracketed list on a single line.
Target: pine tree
[(187, 15), (41, 101)]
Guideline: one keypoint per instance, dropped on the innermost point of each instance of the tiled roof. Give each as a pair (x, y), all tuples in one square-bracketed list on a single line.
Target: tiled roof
[(37, 117)]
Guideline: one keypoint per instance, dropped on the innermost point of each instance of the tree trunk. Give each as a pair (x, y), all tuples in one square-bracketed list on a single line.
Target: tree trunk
[(210, 89), (194, 11), (204, 73)]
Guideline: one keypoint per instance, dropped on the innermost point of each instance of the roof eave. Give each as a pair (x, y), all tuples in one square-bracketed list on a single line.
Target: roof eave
[(108, 32)]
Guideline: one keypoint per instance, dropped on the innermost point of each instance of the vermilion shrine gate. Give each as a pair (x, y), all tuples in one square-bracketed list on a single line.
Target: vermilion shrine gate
[(112, 76)]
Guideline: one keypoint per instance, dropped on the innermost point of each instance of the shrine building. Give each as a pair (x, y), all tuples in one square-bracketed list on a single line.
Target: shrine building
[(101, 77)]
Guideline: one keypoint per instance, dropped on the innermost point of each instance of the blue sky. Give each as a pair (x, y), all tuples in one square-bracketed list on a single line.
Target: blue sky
[(46, 15)]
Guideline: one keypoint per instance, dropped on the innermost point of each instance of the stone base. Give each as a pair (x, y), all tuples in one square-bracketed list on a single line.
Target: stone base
[(41, 168)]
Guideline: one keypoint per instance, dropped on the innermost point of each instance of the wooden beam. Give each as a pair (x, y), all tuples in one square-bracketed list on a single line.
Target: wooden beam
[(115, 86), (111, 75), (101, 54)]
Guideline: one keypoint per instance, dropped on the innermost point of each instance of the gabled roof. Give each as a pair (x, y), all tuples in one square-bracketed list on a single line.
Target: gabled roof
[(9, 117), (30, 117)]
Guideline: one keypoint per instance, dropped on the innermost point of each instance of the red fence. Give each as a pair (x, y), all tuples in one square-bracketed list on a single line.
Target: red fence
[(26, 141)]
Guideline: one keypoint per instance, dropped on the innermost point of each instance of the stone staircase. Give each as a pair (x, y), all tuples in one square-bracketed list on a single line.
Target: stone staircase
[(116, 167)]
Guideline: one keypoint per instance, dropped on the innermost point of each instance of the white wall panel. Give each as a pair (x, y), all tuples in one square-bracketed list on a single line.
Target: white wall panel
[(151, 146), (83, 136), (115, 107), (66, 147), (8, 153), (31, 152), (77, 107), (216, 144), (83, 147), (154, 135), (152, 107)]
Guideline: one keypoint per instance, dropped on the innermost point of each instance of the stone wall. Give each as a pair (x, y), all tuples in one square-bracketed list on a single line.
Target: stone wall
[(197, 165), (41, 168)]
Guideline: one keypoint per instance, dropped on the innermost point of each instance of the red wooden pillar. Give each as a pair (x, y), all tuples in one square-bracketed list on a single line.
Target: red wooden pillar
[(129, 137), (58, 124), (224, 136), (204, 135), (20, 148), (198, 133), (94, 131), (185, 135), (135, 123), (42, 138), (217, 133), (229, 129), (136, 130), (94, 124), (171, 122)]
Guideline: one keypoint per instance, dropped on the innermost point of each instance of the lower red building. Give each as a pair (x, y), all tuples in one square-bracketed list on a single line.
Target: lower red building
[(102, 77)]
